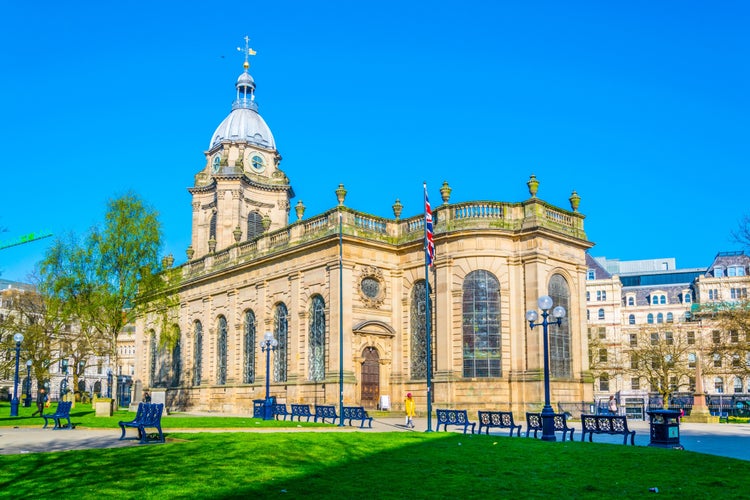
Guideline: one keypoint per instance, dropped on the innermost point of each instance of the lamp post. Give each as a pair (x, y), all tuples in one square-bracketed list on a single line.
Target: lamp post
[(545, 304), (27, 400), (14, 402), (109, 382), (267, 345)]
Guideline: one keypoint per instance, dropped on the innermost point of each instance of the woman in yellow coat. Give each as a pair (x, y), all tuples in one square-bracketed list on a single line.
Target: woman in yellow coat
[(410, 407)]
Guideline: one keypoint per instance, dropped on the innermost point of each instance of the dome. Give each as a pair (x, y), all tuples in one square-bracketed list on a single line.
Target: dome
[(244, 124)]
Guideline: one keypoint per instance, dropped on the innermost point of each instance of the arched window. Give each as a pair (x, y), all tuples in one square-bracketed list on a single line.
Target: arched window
[(600, 314), (663, 299), (176, 357), (317, 338), (654, 299), (631, 301), (221, 352), (419, 331), (670, 318), (559, 336), (660, 318), (152, 358), (737, 384), (631, 319), (281, 329), (197, 353), (212, 226), (254, 225), (719, 385), (650, 319), (248, 367), (481, 325)]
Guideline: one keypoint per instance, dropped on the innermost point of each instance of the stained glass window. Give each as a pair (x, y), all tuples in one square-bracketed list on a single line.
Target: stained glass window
[(152, 360), (281, 329), (559, 336), (481, 325), (176, 359), (419, 331), (221, 352), (198, 353), (317, 338), (248, 367)]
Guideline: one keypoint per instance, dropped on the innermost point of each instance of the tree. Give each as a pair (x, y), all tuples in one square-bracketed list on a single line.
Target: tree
[(99, 281)]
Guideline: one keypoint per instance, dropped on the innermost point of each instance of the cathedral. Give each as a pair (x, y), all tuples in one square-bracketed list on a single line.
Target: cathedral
[(301, 305)]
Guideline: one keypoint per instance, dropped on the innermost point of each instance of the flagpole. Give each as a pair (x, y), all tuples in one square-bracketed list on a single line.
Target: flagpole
[(427, 262)]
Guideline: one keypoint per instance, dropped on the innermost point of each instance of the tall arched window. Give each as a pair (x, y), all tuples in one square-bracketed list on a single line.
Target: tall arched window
[(660, 318), (212, 226), (600, 314), (631, 319), (197, 353), (281, 329), (419, 331), (481, 325), (153, 352), (650, 319), (221, 352), (248, 367), (254, 225), (559, 336), (176, 357), (317, 339)]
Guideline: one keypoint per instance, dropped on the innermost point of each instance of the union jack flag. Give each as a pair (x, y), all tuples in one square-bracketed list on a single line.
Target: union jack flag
[(428, 234)]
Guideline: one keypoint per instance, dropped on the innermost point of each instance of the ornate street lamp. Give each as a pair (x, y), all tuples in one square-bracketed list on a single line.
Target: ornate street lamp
[(14, 402), (27, 400), (109, 382), (267, 345), (545, 304)]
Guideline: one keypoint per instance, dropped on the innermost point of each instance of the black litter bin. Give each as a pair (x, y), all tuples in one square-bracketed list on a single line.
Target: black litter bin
[(665, 429), (258, 407)]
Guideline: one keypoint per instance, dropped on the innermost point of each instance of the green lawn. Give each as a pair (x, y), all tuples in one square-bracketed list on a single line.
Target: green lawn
[(374, 465)]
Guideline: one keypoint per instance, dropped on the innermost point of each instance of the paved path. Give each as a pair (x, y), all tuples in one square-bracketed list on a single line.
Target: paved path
[(730, 440)]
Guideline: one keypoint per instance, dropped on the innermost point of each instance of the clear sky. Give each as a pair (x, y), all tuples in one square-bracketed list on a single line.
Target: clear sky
[(641, 107)]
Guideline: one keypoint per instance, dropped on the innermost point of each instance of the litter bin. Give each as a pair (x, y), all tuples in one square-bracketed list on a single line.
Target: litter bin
[(665, 429), (258, 406)]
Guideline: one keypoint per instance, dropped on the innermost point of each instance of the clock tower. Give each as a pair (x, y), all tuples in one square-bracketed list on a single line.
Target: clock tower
[(241, 192)]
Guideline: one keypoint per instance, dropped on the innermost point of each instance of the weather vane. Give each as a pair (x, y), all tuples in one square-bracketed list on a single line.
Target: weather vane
[(247, 51)]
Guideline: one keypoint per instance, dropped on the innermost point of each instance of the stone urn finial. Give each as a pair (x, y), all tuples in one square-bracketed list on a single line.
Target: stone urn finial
[(533, 184), (190, 252), (266, 221), (341, 194), (300, 209), (167, 261), (397, 208), (445, 192), (211, 244), (237, 233), (574, 200)]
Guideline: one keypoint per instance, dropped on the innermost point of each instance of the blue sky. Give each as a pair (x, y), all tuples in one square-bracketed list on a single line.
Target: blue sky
[(641, 107)]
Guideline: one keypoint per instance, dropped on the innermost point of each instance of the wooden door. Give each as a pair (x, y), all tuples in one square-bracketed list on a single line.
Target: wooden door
[(370, 378)]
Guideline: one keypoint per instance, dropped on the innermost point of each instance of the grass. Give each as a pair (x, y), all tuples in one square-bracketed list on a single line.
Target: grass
[(83, 415), (375, 465)]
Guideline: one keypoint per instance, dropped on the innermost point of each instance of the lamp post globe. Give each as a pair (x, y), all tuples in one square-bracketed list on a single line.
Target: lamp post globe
[(558, 313), (14, 402)]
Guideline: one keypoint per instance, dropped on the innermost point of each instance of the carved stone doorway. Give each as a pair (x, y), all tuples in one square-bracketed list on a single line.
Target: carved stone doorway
[(370, 378)]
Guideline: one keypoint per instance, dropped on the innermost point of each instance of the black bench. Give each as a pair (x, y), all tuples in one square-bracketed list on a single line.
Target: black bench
[(499, 419), (454, 417), (148, 416), (280, 410), (62, 412), (534, 423), (607, 424), (300, 411), (357, 413), (325, 411)]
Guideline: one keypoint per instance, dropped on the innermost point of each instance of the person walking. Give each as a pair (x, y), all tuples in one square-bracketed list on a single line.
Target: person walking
[(41, 398), (612, 406), (410, 407)]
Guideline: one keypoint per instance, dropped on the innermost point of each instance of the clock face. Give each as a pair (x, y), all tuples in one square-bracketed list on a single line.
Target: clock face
[(216, 163), (257, 164)]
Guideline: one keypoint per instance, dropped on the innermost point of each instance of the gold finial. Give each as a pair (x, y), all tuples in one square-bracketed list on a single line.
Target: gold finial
[(248, 52)]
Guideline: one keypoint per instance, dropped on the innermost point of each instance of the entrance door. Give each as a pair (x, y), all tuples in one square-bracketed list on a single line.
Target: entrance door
[(370, 378)]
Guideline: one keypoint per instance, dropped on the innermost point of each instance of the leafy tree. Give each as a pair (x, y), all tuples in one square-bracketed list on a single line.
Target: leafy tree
[(99, 280)]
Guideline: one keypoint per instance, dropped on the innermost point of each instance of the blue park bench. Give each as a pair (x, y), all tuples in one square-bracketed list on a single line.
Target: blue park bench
[(357, 413), (62, 412), (499, 419), (454, 417), (148, 416)]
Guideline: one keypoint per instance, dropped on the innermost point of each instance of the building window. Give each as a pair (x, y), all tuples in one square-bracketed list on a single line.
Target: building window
[(281, 331), (719, 385), (633, 340), (716, 336), (718, 272), (317, 339), (654, 338), (602, 355), (176, 357), (601, 295), (669, 338), (631, 301), (654, 299), (600, 314), (152, 359), (588, 296), (687, 298), (734, 336), (737, 384), (736, 363), (670, 318), (660, 318), (602, 333), (604, 382), (631, 319), (691, 338), (221, 352), (691, 360), (634, 361), (662, 299), (254, 225), (198, 353), (248, 367), (717, 360), (691, 384), (419, 331), (588, 315), (635, 384), (591, 274), (481, 325), (650, 319), (559, 336)]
